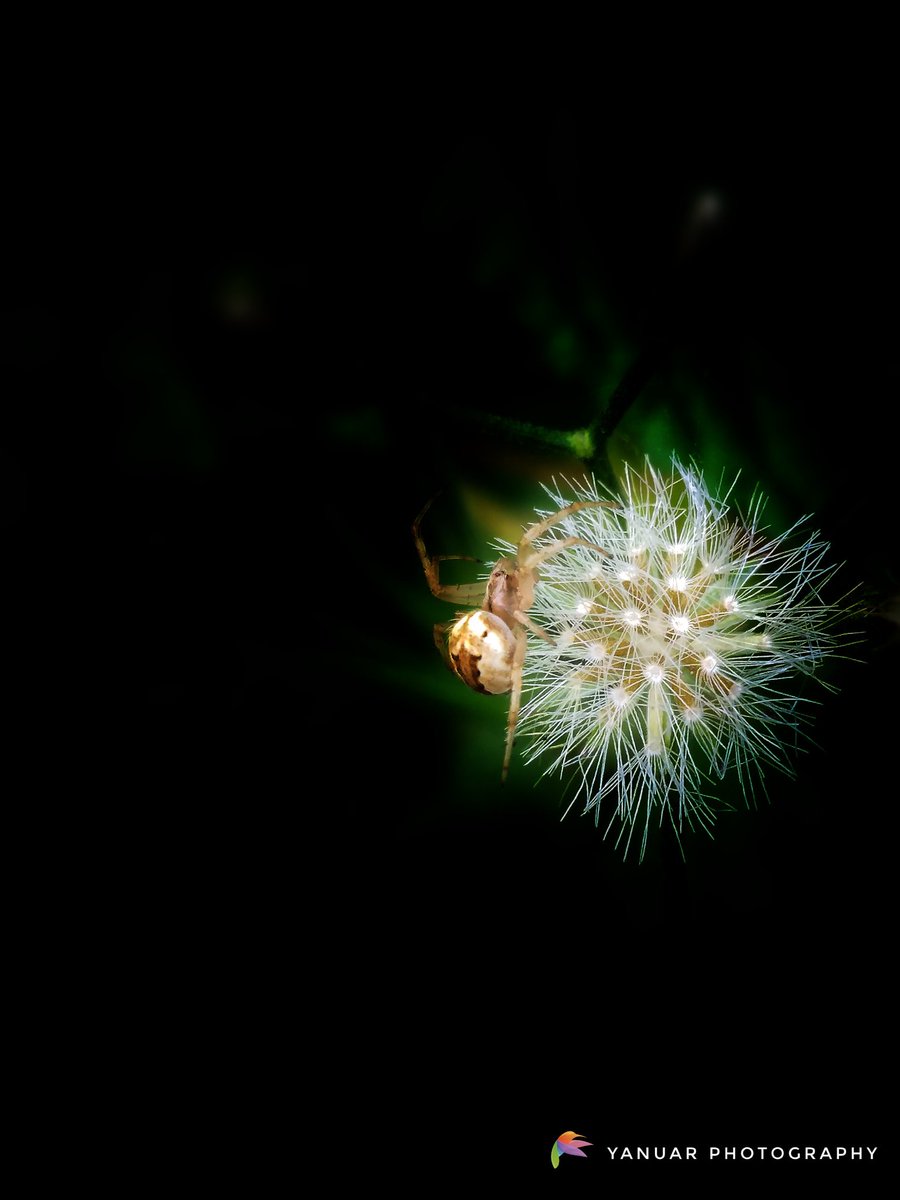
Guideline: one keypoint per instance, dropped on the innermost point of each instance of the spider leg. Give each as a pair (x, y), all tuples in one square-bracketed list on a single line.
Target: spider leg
[(466, 594), (529, 624), (541, 527), (557, 547), (455, 593), (441, 629), (515, 691), (515, 698)]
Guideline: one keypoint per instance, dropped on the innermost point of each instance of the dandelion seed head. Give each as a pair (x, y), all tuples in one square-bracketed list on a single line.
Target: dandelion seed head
[(675, 660)]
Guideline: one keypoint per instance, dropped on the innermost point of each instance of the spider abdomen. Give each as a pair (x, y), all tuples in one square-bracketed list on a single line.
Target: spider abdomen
[(481, 648)]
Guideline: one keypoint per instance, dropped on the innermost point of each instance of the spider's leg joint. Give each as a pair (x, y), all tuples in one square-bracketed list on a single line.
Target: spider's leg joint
[(525, 620)]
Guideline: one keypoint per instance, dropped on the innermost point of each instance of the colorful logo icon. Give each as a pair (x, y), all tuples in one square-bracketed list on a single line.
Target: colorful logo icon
[(568, 1143)]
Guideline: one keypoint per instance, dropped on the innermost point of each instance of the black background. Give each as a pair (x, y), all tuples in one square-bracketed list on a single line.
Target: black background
[(239, 927)]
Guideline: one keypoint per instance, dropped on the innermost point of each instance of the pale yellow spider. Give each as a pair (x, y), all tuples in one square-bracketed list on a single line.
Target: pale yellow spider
[(486, 648)]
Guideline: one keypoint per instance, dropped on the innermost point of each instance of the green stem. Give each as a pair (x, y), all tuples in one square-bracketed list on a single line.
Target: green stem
[(577, 441)]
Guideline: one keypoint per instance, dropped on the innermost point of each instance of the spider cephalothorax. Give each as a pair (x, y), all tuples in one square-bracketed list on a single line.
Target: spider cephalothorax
[(486, 647)]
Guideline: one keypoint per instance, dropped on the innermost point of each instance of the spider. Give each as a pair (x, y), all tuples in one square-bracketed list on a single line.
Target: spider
[(486, 648)]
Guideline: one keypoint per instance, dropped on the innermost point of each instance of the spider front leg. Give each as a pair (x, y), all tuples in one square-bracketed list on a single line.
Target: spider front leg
[(534, 558), (541, 527)]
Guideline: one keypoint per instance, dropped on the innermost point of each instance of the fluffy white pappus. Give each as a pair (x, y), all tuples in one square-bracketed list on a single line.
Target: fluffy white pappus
[(672, 658)]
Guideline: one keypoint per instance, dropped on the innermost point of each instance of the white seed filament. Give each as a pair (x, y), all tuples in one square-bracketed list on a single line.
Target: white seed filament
[(668, 659)]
